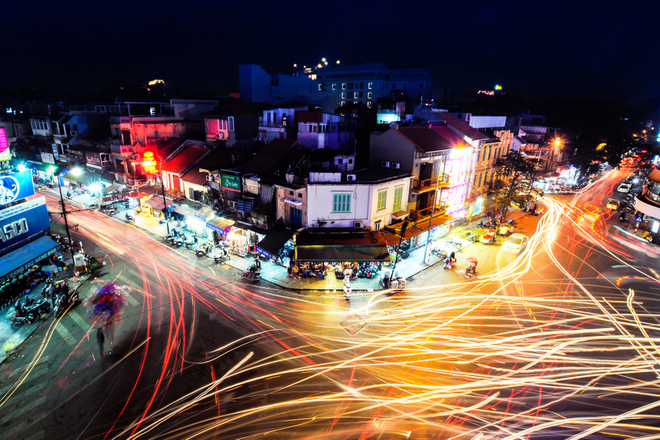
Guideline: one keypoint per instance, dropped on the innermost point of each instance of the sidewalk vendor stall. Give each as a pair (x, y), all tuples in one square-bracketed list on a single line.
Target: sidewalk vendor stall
[(156, 206), (277, 246)]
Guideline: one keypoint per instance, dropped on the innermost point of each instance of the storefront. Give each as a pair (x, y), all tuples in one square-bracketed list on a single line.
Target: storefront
[(187, 215), (244, 238), (417, 235), (277, 246), (221, 227), (155, 206)]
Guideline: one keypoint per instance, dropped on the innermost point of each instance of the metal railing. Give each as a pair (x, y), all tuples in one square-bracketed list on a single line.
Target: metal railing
[(432, 183)]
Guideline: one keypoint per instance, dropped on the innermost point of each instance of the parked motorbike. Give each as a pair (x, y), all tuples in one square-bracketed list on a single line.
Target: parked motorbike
[(394, 283), (346, 285), (111, 210), (471, 271), (252, 276), (129, 218), (455, 244), (66, 299), (38, 307), (19, 317), (93, 206), (203, 250), (468, 235), (222, 255), (450, 263), (191, 243)]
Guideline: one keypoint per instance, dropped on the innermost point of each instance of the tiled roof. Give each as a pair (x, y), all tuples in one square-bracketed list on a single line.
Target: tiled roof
[(461, 126), (185, 159), (424, 138), (450, 136)]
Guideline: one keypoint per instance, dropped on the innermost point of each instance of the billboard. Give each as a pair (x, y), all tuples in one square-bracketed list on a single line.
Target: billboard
[(15, 186), (232, 183), (5, 152), (22, 222)]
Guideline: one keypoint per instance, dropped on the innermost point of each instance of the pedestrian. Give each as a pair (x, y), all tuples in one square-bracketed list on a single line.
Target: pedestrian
[(51, 291), (110, 331), (100, 338)]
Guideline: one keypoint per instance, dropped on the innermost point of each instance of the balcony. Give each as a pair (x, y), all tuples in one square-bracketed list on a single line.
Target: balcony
[(418, 215), (422, 186), (400, 215)]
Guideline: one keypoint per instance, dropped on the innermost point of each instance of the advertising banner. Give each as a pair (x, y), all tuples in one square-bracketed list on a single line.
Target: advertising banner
[(22, 222), (15, 186), (232, 183)]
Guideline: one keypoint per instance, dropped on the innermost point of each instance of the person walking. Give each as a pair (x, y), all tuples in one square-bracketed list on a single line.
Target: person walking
[(100, 338)]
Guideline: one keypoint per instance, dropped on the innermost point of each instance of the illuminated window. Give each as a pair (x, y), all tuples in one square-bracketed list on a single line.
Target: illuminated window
[(343, 86), (369, 104), (377, 225), (382, 199), (370, 85), (355, 95), (320, 87), (231, 123), (334, 86), (369, 94), (343, 95), (341, 203), (342, 103), (398, 194)]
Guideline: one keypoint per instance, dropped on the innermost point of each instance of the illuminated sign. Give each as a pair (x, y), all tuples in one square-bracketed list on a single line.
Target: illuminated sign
[(149, 163), (16, 186), (5, 153), (22, 222), (232, 183)]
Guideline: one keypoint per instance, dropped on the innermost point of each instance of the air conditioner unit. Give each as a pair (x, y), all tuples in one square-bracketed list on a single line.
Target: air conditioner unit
[(358, 224), (220, 135), (73, 133), (209, 178), (350, 177), (385, 163), (396, 165)]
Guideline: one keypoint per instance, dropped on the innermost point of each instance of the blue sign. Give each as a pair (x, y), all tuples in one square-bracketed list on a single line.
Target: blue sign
[(639, 218), (23, 222), (15, 186)]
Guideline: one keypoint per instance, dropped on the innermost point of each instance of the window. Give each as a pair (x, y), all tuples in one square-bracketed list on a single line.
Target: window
[(341, 203), (299, 195), (370, 85), (320, 87), (382, 199), (398, 192), (231, 123), (334, 86), (350, 161), (343, 96), (377, 225), (355, 95), (290, 193), (369, 95), (343, 86), (369, 104), (489, 148)]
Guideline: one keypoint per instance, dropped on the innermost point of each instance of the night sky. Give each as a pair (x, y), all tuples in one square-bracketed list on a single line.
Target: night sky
[(537, 49)]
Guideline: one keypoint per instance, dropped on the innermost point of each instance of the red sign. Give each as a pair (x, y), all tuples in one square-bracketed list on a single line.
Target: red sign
[(5, 154), (149, 163)]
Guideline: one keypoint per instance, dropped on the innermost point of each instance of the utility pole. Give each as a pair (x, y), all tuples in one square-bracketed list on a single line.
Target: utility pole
[(66, 223), (428, 237), (398, 249)]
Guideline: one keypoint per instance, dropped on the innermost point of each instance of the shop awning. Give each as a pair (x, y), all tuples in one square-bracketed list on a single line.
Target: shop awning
[(219, 224), (185, 210), (270, 246), (15, 262), (112, 188), (39, 165), (86, 178), (338, 244), (342, 253), (204, 213), (108, 177), (293, 202), (157, 203)]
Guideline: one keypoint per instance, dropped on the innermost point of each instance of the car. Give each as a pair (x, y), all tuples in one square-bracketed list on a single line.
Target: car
[(516, 243), (613, 205), (624, 188)]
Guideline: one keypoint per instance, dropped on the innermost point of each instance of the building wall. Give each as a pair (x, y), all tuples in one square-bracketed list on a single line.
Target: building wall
[(41, 127), (393, 147), (193, 186), (364, 203), (283, 209)]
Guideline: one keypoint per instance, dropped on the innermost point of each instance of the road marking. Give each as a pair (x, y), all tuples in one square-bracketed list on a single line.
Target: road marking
[(132, 301), (78, 320), (64, 333), (16, 415)]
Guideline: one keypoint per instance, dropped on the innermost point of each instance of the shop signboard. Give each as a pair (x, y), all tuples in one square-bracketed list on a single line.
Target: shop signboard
[(15, 186), (22, 222), (230, 182), (5, 152)]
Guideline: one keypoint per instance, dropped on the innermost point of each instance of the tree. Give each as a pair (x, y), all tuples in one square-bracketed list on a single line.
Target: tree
[(516, 180)]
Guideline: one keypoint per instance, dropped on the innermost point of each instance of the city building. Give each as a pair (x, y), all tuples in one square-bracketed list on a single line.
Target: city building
[(648, 203), (368, 82)]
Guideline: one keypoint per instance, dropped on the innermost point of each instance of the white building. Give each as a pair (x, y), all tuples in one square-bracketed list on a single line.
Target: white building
[(365, 198)]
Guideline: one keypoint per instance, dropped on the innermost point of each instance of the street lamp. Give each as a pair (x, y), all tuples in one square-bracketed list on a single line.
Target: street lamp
[(66, 223)]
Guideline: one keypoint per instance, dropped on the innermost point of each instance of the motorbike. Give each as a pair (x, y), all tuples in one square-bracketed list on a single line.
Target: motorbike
[(222, 255), (111, 210), (203, 250), (65, 301), (252, 275), (191, 243), (19, 317), (439, 252), (449, 263), (38, 307), (455, 244), (94, 206), (394, 283), (468, 235), (471, 271), (129, 218), (171, 236)]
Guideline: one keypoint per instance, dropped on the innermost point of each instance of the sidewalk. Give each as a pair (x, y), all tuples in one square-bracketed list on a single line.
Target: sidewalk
[(9, 335)]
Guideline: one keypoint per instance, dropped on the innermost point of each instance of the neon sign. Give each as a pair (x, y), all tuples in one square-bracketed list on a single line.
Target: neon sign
[(149, 163)]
